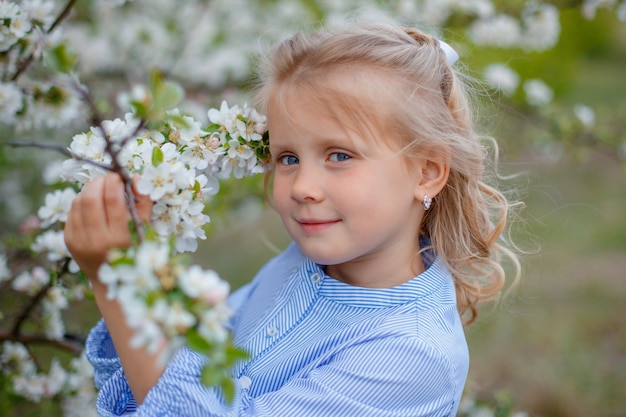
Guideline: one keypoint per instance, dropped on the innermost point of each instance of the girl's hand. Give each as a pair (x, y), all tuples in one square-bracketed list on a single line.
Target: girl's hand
[(98, 221)]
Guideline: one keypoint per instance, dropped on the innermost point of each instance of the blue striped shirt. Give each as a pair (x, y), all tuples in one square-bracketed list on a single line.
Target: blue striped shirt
[(318, 347)]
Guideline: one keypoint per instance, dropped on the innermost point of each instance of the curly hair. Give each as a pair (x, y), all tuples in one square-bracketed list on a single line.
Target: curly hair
[(423, 101)]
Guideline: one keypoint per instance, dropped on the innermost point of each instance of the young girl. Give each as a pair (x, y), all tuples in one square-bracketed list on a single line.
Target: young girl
[(378, 178)]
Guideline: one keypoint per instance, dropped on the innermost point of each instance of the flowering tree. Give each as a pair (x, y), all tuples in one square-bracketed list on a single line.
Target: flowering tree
[(98, 67)]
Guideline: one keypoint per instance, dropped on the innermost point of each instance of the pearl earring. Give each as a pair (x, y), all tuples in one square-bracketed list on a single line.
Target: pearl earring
[(427, 202)]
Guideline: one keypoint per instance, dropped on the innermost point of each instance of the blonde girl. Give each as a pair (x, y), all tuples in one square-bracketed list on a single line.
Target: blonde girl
[(379, 178)]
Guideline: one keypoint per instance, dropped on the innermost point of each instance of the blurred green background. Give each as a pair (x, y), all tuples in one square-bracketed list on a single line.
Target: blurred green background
[(557, 346)]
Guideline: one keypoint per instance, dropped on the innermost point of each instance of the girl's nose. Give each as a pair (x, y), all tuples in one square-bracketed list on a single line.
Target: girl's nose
[(307, 185)]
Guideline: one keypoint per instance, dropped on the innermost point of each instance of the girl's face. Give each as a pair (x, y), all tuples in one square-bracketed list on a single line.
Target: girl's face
[(348, 202)]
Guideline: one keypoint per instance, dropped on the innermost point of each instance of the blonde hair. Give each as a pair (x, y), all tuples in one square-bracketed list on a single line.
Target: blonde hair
[(426, 107)]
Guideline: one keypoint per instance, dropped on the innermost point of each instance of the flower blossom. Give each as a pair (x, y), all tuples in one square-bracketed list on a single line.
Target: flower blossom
[(51, 242), (537, 93), (10, 101), (502, 78), (31, 282), (57, 205), (204, 284), (585, 114), (541, 27), (502, 31)]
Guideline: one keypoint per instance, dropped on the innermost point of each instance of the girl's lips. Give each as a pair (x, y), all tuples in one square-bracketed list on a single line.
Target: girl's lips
[(311, 226)]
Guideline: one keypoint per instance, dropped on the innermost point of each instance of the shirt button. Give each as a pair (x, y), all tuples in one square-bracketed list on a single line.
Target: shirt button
[(272, 331), (316, 277), (245, 382)]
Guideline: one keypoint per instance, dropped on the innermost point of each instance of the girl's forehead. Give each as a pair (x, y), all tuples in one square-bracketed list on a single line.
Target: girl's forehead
[(330, 118), (354, 99)]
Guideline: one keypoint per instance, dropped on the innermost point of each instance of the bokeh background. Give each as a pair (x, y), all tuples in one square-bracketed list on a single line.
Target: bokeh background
[(557, 345)]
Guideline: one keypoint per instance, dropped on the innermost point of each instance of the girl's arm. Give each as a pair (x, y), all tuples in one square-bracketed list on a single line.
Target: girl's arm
[(97, 222)]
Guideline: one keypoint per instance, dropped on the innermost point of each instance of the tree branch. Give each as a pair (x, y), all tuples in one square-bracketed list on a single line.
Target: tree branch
[(25, 63), (114, 151), (58, 148), (73, 346), (15, 330)]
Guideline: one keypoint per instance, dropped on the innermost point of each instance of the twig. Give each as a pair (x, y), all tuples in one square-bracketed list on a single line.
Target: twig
[(114, 150), (57, 148), (25, 63), (15, 330), (74, 346)]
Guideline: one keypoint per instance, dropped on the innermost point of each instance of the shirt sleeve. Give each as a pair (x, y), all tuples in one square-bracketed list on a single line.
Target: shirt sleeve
[(381, 378), (101, 353)]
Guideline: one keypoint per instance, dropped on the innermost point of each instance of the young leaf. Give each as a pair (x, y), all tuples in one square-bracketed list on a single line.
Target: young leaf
[(157, 156)]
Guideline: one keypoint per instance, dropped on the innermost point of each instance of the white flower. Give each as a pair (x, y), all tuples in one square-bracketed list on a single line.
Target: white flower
[(31, 282), (502, 77), (541, 27), (14, 353), (174, 318), (118, 130), (56, 297), (10, 102), (57, 205), (237, 150), (81, 373), (151, 256), (199, 157), (40, 10), (501, 31), (51, 242), (157, 181), (54, 327), (590, 7), (110, 277), (585, 114), (33, 387), (225, 116), (56, 378), (212, 323), (204, 284), (148, 335), (20, 25), (89, 145), (537, 93), (52, 173)]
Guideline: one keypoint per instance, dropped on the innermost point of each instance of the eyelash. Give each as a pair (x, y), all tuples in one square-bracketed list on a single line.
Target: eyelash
[(342, 157)]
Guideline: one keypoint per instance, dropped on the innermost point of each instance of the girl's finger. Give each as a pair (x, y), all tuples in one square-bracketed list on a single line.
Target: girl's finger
[(116, 211), (92, 224)]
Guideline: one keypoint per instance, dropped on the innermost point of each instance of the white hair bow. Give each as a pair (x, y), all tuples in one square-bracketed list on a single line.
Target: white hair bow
[(451, 55)]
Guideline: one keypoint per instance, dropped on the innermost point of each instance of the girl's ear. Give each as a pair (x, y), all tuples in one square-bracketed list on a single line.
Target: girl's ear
[(434, 171)]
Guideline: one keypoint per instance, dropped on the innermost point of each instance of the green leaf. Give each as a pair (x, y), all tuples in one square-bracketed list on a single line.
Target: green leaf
[(166, 94), (214, 127), (157, 156), (197, 342), (211, 377), (62, 59), (228, 389), (235, 354)]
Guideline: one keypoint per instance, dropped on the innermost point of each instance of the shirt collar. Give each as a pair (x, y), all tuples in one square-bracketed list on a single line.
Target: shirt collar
[(431, 280)]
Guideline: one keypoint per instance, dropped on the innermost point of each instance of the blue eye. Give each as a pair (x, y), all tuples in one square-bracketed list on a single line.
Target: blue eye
[(288, 160), (338, 157)]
